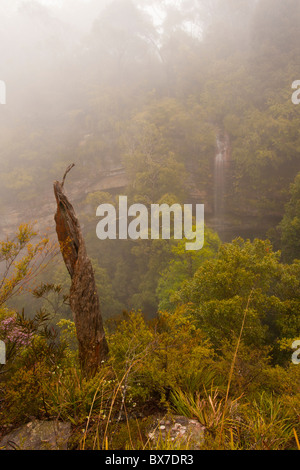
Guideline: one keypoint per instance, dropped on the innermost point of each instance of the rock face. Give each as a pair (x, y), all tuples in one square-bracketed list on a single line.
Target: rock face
[(38, 435), (189, 433)]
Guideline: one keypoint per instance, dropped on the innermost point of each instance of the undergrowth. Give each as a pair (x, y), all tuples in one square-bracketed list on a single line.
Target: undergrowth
[(155, 369)]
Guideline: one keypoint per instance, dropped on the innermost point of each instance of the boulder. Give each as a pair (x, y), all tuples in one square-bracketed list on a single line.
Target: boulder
[(38, 435), (188, 433)]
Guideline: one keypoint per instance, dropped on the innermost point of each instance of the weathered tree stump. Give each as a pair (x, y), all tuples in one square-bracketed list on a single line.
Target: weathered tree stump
[(84, 300)]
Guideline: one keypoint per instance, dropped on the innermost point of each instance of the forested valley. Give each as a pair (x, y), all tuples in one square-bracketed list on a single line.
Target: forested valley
[(166, 102)]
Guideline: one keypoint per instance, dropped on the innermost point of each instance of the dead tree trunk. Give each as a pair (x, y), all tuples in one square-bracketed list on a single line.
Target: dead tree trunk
[(84, 300)]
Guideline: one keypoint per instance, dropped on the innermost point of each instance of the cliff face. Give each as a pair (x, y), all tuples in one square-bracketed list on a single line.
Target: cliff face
[(222, 212), (42, 208)]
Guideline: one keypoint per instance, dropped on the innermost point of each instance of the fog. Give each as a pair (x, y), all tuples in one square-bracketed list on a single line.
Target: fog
[(150, 170), (52, 56), (106, 83)]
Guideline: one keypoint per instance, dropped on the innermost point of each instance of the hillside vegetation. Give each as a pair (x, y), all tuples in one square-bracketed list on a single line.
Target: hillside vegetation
[(209, 334)]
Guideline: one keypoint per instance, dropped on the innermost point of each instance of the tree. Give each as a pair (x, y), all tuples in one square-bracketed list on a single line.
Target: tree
[(183, 266), (290, 226), (22, 259), (152, 166), (245, 273), (84, 300), (124, 35)]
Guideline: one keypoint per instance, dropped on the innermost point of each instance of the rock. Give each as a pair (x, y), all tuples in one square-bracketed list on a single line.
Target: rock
[(38, 435), (179, 429)]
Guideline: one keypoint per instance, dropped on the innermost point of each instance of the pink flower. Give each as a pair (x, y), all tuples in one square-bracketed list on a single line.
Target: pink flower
[(15, 333)]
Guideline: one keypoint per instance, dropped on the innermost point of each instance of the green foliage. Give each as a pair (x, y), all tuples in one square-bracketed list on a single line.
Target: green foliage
[(267, 424), (151, 110), (73, 397), (34, 355), (290, 226), (167, 364), (67, 333), (219, 291), (208, 408), (183, 266), (160, 355), (21, 261)]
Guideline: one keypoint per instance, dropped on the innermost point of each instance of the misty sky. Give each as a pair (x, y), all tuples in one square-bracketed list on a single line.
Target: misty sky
[(80, 13)]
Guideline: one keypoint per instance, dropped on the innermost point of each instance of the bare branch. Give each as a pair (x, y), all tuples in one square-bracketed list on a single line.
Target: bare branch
[(66, 172)]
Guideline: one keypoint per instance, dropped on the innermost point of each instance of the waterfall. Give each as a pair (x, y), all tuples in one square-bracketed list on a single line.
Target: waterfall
[(220, 179)]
